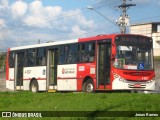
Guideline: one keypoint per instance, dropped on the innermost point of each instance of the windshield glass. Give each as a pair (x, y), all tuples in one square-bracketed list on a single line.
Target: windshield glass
[(134, 57)]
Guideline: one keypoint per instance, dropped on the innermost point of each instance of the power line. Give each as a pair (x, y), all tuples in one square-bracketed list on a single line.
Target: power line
[(109, 28), (103, 4), (53, 18), (146, 18)]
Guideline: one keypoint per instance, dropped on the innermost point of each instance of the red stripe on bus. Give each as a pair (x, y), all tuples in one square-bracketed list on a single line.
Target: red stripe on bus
[(11, 79), (7, 65), (35, 78), (67, 78)]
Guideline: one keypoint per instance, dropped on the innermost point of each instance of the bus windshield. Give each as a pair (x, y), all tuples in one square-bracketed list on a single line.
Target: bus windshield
[(134, 56)]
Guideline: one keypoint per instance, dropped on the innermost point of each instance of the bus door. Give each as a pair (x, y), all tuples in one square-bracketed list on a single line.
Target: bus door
[(103, 65), (52, 69), (19, 62)]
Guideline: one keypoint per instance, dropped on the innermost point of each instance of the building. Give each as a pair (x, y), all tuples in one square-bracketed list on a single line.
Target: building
[(151, 29)]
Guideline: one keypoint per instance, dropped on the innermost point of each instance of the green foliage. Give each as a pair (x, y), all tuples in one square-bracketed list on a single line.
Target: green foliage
[(78, 101), (27, 101), (2, 59)]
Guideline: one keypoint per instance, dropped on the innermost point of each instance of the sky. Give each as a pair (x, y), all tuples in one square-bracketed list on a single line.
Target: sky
[(25, 22)]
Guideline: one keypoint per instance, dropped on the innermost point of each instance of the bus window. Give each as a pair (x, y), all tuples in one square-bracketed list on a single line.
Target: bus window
[(30, 57), (72, 55), (40, 58), (130, 57), (11, 60), (68, 54), (87, 52)]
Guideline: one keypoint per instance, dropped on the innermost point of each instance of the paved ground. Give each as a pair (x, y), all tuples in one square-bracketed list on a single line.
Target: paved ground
[(156, 64), (2, 81), (157, 71)]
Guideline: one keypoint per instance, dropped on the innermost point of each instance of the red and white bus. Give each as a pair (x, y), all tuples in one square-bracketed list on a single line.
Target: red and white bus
[(103, 62)]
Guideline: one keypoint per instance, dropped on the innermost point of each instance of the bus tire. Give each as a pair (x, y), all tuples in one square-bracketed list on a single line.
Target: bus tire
[(34, 86), (88, 86)]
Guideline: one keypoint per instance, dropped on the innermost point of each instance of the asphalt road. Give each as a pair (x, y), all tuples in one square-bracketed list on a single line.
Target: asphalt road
[(2, 74), (157, 72), (2, 81)]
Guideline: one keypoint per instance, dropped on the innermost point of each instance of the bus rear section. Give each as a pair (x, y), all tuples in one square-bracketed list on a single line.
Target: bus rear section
[(23, 67)]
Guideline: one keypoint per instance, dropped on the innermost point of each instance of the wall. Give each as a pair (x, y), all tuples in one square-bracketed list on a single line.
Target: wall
[(146, 29)]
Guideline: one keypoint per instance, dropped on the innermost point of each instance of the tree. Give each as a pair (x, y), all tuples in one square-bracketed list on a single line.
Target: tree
[(2, 60)]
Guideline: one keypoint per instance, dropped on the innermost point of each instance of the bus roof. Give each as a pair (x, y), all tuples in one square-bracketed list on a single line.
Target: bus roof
[(98, 37), (44, 44)]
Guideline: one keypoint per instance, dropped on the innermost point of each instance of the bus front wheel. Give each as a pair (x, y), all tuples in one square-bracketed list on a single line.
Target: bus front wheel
[(34, 86), (88, 86)]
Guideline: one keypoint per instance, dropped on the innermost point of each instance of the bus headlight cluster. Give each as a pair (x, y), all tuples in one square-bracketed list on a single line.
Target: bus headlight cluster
[(115, 75), (150, 81), (122, 79)]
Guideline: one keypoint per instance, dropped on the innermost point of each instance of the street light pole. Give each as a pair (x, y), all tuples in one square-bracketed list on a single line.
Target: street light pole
[(91, 8)]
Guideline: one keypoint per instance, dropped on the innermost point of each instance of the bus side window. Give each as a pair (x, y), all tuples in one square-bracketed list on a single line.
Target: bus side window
[(68, 54), (87, 52), (81, 49), (91, 51), (72, 55), (30, 57), (40, 58), (61, 55), (11, 60)]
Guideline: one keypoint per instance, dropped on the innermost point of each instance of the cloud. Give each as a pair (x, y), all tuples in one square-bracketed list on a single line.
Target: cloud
[(2, 23), (38, 21), (3, 3), (18, 9), (39, 16), (76, 30), (75, 17), (3, 8)]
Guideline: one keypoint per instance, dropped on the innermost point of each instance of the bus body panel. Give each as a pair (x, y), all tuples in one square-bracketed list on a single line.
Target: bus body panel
[(67, 85), (42, 85), (39, 73), (26, 84), (67, 77), (10, 81), (67, 71), (85, 70), (119, 85), (10, 84)]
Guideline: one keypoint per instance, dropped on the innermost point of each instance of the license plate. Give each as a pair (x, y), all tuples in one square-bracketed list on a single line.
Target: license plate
[(137, 85)]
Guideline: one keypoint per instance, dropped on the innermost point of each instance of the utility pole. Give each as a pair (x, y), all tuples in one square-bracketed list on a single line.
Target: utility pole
[(124, 18), (39, 41)]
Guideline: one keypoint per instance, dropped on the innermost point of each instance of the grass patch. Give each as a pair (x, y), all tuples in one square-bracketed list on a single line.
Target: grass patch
[(27, 101)]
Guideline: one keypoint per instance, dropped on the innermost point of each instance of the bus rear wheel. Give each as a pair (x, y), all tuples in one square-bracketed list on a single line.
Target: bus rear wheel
[(34, 86), (88, 86)]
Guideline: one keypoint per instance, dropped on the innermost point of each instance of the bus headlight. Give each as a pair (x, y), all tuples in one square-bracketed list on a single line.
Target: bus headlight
[(150, 81), (122, 79)]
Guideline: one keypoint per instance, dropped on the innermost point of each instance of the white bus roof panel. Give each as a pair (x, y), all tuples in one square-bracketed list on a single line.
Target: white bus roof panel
[(44, 44)]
